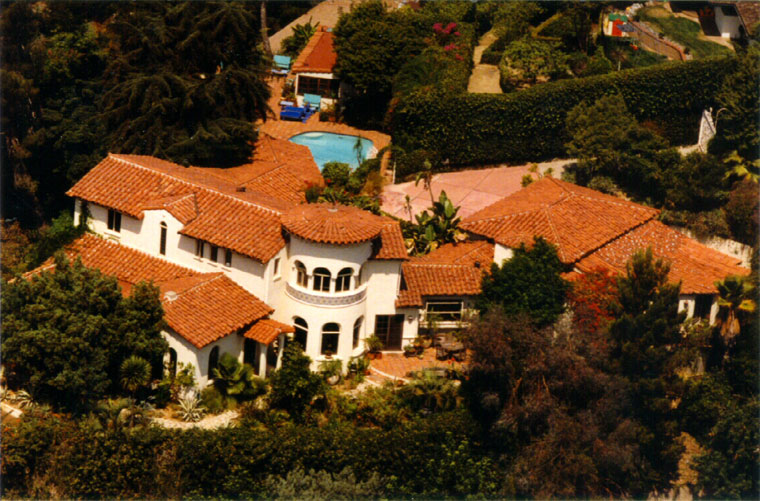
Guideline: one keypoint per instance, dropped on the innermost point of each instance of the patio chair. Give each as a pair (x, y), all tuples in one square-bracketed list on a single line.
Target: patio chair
[(293, 113), (281, 65), (312, 100)]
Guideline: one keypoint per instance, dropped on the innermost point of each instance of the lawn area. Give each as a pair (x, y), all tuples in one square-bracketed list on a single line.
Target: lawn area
[(682, 31)]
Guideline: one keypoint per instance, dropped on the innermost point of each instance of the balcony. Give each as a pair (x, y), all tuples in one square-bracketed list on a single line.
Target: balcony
[(327, 298)]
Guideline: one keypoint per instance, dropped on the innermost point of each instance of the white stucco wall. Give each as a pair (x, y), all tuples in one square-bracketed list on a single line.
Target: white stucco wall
[(727, 25), (501, 252), (687, 303), (187, 353)]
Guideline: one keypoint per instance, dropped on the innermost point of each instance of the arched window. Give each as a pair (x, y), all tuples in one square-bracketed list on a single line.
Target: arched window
[(330, 335), (322, 278), (162, 244), (343, 282), (213, 361), (302, 278), (362, 277), (302, 331), (172, 362), (357, 330)]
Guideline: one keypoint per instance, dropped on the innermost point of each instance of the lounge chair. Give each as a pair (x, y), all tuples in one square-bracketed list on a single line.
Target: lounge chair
[(281, 65), (312, 100), (295, 113)]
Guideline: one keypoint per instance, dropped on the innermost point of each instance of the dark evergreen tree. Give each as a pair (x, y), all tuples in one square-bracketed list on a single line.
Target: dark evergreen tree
[(645, 341), (528, 283)]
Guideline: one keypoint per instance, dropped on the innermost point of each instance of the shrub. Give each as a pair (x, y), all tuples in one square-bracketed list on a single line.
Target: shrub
[(604, 184), (294, 386), (528, 61), (213, 400), (322, 485), (338, 174), (742, 212), (530, 125)]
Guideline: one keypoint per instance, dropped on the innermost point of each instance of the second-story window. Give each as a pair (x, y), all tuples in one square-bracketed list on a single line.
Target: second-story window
[(214, 253), (343, 281), (276, 267), (227, 258), (199, 248), (302, 278), (114, 220), (322, 278), (162, 244)]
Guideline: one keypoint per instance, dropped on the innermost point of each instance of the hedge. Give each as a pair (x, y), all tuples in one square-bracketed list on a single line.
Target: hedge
[(435, 457), (529, 125)]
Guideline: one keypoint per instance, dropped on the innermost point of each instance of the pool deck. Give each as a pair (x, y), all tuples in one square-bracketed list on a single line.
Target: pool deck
[(285, 129)]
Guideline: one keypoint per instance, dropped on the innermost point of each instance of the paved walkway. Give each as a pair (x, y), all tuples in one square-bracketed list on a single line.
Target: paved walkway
[(397, 366), (484, 77), (471, 190)]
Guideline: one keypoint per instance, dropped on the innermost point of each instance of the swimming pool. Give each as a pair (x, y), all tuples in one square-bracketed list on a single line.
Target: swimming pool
[(328, 147)]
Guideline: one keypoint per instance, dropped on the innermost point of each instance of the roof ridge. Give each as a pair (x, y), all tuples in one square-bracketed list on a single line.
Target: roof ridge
[(554, 231), (192, 183), (211, 278), (616, 237)]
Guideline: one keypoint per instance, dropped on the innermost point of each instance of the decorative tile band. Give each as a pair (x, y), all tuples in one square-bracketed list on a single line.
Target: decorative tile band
[(325, 300)]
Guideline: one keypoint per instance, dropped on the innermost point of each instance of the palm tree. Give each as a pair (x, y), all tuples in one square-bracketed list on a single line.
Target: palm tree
[(426, 176), (135, 373), (736, 300)]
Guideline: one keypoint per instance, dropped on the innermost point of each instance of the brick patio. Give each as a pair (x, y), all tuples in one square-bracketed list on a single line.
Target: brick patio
[(398, 366)]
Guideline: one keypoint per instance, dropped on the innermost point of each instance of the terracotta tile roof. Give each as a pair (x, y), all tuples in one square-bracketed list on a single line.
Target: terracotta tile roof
[(333, 224), (391, 243), (451, 270), (280, 169), (696, 266), (266, 330), (218, 212), (201, 307), (576, 219), (318, 56)]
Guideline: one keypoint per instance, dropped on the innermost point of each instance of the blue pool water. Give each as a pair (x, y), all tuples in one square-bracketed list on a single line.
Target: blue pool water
[(328, 147)]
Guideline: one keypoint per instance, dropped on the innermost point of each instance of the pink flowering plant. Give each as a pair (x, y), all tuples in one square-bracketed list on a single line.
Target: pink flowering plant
[(448, 37)]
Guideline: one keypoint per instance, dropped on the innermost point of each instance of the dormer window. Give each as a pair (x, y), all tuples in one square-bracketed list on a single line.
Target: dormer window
[(114, 220), (322, 278), (343, 281)]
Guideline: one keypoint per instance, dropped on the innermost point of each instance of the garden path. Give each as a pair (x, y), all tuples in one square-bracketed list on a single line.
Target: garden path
[(484, 77), (208, 423)]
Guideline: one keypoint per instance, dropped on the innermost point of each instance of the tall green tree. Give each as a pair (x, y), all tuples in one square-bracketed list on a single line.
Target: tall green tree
[(66, 333), (294, 385), (529, 282), (645, 341)]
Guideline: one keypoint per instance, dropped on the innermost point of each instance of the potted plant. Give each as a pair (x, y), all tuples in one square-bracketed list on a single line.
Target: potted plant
[(410, 350), (331, 370), (374, 344)]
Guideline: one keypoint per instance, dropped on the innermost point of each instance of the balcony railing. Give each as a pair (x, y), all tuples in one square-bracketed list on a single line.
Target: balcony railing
[(326, 298)]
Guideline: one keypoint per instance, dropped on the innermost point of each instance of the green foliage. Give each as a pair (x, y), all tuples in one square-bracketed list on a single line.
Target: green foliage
[(472, 129), (237, 381), (428, 392), (337, 173), (323, 485), (528, 283), (190, 409), (134, 373), (739, 108), (683, 31), (434, 229), (49, 239), (696, 183), (527, 61), (294, 44), (644, 340), (66, 333), (213, 400), (512, 20), (294, 386)]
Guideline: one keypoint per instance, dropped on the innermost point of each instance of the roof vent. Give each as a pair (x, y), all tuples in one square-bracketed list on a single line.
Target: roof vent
[(170, 296), (477, 264), (240, 189)]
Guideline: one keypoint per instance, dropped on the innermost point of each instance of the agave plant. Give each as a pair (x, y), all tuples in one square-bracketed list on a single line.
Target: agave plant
[(190, 409)]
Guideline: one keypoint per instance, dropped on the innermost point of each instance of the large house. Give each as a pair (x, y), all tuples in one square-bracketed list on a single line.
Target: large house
[(244, 263)]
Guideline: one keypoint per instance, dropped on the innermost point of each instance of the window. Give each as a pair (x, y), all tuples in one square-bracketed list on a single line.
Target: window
[(213, 361), (443, 311), (389, 328), (702, 306), (214, 253), (227, 258), (114, 220), (330, 335), (357, 330), (324, 87), (302, 331), (199, 248), (322, 279), (302, 278), (162, 245), (362, 277), (276, 269), (172, 362), (343, 282)]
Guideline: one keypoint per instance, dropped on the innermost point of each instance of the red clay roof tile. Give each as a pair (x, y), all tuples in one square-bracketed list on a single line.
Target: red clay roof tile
[(333, 224), (200, 307), (318, 56), (391, 243), (267, 330)]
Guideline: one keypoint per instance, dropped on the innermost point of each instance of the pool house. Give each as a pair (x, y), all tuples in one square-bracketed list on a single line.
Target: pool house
[(313, 69)]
